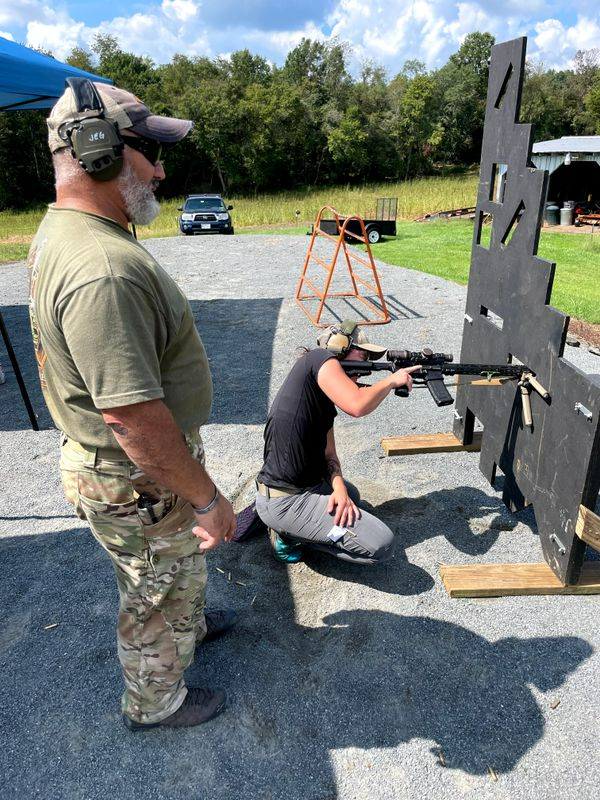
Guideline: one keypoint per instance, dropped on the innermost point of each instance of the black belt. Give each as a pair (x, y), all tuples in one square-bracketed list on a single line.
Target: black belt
[(269, 491)]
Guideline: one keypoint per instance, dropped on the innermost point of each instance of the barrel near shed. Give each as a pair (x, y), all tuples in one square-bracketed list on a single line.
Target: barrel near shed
[(552, 214), (567, 215)]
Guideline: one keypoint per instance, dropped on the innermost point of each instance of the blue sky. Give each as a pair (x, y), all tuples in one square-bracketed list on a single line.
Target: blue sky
[(386, 32)]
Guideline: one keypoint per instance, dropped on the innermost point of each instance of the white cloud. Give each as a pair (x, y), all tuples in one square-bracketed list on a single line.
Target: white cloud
[(556, 44), (401, 30), (375, 33), (585, 34), (59, 36), (387, 33), (550, 36), (156, 37), (272, 45), (17, 15), (182, 10), (470, 18)]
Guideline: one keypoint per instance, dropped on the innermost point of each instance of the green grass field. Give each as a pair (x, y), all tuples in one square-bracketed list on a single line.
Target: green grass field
[(444, 248), (440, 248)]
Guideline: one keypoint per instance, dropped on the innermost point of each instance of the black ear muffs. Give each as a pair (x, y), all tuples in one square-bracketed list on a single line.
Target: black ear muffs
[(95, 142), (340, 338)]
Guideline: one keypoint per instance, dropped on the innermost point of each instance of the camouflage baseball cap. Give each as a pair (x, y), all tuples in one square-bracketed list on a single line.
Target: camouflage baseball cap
[(121, 107)]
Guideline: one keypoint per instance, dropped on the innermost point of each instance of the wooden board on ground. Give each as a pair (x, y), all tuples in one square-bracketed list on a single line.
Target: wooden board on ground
[(429, 443), (590, 219), (588, 527), (497, 580)]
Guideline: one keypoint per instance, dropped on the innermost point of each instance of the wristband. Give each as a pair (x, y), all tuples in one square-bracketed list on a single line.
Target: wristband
[(210, 506)]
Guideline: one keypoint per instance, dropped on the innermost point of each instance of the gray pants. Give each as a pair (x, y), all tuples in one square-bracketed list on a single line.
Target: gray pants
[(303, 518)]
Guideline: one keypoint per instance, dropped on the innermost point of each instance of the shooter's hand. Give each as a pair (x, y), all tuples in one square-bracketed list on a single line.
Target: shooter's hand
[(402, 379), (345, 510)]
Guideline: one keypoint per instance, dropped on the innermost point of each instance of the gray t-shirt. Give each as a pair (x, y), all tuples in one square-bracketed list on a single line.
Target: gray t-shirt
[(110, 328)]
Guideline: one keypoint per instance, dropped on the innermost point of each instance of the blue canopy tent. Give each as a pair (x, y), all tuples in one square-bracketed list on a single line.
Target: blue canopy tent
[(30, 80)]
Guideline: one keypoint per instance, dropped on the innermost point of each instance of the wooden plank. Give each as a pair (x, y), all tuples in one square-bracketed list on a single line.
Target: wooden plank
[(498, 580), (588, 527), (429, 443)]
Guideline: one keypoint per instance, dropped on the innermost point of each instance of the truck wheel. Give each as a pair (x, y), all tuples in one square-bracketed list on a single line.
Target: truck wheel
[(373, 234)]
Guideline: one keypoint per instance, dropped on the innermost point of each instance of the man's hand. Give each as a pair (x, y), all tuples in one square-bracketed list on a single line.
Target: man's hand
[(216, 526), (345, 510)]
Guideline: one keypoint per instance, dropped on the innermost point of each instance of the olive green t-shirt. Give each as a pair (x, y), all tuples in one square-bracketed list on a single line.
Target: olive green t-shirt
[(111, 328)]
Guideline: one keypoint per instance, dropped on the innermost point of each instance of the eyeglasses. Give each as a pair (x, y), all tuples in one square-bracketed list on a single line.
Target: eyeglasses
[(150, 149)]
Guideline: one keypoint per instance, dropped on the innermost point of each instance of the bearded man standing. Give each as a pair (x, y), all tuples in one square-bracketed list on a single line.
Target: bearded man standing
[(126, 380)]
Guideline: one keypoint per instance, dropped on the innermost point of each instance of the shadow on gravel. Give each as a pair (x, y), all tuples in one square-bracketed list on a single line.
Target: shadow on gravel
[(336, 309), (13, 413), (423, 677), (397, 576), (238, 336), (468, 518), (360, 679)]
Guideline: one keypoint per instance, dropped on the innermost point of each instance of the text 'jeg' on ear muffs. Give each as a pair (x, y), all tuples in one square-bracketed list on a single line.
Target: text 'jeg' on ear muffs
[(95, 141)]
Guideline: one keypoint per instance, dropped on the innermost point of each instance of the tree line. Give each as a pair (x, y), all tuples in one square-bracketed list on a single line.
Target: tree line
[(262, 128)]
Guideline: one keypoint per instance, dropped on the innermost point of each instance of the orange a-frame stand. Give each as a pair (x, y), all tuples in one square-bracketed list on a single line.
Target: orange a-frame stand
[(341, 226)]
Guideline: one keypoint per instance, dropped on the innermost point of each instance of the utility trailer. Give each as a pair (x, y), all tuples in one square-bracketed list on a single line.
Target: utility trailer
[(383, 224)]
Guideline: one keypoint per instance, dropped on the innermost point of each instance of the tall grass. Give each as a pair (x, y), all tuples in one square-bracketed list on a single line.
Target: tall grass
[(18, 226), (415, 198), (439, 248)]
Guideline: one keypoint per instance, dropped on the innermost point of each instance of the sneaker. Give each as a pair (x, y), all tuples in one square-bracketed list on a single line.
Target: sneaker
[(284, 550), (218, 622), (199, 706)]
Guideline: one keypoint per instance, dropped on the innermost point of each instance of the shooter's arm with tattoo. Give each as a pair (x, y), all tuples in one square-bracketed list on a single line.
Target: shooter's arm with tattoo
[(339, 501)]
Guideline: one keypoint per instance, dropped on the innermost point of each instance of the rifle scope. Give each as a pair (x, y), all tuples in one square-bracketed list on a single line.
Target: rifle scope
[(425, 356)]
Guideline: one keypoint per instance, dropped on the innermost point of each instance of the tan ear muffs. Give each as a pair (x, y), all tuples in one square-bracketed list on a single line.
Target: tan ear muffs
[(338, 340)]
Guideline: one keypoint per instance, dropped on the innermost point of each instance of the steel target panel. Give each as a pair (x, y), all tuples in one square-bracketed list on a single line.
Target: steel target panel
[(552, 464)]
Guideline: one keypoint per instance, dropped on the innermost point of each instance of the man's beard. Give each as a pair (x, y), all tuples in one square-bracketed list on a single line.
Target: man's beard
[(140, 203)]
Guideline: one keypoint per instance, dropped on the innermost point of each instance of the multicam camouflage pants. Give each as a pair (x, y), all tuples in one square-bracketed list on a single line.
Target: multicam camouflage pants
[(161, 573)]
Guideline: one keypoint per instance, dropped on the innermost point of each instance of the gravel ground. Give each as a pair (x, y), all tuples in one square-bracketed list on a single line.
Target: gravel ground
[(344, 682)]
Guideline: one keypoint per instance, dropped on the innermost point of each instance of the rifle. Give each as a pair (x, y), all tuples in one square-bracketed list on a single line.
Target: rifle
[(435, 365)]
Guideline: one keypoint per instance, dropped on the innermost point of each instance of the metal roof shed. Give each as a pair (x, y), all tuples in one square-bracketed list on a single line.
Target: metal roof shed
[(573, 163)]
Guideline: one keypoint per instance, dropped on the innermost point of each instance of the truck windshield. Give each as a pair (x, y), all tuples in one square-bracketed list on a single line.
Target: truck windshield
[(204, 204)]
